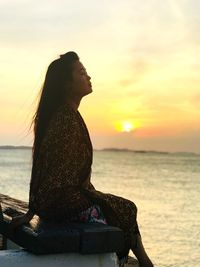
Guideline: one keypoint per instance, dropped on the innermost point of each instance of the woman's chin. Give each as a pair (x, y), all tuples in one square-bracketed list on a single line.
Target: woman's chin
[(89, 91)]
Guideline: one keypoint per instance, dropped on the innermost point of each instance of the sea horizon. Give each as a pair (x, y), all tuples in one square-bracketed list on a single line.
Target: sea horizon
[(114, 149)]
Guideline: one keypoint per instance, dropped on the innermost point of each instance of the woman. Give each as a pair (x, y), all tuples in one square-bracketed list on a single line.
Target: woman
[(60, 187)]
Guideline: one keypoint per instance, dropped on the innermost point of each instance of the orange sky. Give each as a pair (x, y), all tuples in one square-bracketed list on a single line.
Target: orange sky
[(143, 60)]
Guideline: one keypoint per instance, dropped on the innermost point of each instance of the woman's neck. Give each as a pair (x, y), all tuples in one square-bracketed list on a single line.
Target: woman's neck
[(73, 103)]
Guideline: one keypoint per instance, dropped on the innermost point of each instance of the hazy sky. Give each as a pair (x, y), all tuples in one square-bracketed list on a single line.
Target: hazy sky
[(143, 57)]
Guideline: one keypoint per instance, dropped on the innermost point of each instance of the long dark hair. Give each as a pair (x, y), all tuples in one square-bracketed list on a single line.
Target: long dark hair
[(53, 95)]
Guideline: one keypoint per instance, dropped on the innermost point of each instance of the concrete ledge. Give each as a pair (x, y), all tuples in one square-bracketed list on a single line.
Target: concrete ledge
[(40, 237), (21, 258)]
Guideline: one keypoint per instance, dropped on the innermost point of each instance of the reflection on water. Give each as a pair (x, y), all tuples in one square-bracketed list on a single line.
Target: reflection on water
[(165, 188)]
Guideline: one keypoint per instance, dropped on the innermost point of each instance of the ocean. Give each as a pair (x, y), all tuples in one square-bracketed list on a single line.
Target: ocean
[(164, 186)]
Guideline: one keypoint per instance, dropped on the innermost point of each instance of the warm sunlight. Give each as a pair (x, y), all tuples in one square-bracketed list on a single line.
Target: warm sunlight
[(146, 87)]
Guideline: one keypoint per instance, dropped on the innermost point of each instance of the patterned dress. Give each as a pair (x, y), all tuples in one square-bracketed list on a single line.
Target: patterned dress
[(61, 187)]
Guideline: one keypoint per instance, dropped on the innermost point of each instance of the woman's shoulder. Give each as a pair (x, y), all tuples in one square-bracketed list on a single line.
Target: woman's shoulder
[(64, 119), (62, 123)]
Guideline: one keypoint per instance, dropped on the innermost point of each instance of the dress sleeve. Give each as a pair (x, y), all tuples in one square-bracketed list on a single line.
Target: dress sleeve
[(60, 168)]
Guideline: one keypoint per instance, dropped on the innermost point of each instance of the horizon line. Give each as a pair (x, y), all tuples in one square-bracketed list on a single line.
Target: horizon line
[(111, 149)]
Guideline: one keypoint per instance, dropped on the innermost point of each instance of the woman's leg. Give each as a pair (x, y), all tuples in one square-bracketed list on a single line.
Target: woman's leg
[(122, 213), (140, 253)]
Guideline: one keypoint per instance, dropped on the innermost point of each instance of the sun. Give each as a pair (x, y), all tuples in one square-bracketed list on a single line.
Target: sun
[(126, 126)]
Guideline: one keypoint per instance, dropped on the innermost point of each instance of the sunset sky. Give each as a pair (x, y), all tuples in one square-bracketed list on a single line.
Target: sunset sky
[(143, 57)]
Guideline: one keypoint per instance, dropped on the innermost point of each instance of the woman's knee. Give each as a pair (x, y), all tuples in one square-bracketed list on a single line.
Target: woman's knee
[(133, 207)]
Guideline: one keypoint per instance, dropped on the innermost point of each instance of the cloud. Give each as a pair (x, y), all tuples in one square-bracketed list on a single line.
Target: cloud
[(29, 21)]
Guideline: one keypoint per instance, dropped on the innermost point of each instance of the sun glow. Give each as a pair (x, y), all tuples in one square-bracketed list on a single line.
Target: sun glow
[(126, 126)]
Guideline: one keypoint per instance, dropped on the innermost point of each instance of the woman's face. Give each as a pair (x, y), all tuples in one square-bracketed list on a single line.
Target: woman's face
[(81, 84)]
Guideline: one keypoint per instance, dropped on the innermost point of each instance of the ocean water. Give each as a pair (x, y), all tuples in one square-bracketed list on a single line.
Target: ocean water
[(165, 188)]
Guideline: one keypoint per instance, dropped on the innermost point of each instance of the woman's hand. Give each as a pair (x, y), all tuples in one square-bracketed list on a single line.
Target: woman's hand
[(21, 219)]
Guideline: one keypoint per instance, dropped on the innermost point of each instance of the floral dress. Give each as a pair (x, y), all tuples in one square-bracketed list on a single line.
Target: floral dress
[(61, 188), (91, 215)]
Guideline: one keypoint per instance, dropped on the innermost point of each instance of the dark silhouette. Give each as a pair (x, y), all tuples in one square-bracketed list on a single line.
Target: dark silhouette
[(60, 187)]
